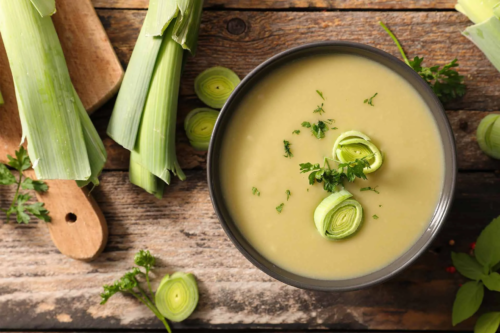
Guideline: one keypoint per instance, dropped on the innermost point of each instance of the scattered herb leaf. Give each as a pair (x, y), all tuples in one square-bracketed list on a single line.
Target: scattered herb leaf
[(288, 152), (288, 193), (369, 188), (319, 109), (296, 132), (375, 217), (334, 128), (320, 94), (279, 208), (306, 124), (319, 129), (446, 83), (255, 191), (369, 101), (18, 206)]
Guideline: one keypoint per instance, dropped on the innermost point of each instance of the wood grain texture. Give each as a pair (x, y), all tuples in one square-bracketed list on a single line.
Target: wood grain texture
[(295, 4), (41, 289), (433, 35)]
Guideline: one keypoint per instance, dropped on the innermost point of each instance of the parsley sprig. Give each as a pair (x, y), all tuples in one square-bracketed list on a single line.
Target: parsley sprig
[(319, 109), (18, 206), (286, 146), (319, 129), (331, 178), (446, 83)]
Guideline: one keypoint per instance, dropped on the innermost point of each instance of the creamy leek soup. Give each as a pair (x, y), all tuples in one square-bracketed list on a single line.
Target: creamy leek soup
[(256, 175)]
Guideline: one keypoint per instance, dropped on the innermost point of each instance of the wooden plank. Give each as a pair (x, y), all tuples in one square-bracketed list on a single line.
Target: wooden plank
[(269, 33), (294, 4), (41, 289)]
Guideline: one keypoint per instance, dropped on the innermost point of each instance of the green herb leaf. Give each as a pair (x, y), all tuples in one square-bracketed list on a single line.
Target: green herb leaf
[(6, 177), (320, 94), (487, 249), (296, 132), (144, 259), (492, 281), (488, 323), (375, 217), (334, 128), (280, 207), (319, 129), (369, 101), (467, 302), (39, 211), (369, 188), (255, 191), (21, 162), (287, 145), (467, 265), (306, 124), (446, 83), (37, 185), (319, 109), (288, 193)]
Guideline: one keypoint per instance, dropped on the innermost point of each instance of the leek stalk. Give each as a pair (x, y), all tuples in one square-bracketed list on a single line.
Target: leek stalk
[(62, 142), (353, 145), (338, 216), (145, 112), (177, 296)]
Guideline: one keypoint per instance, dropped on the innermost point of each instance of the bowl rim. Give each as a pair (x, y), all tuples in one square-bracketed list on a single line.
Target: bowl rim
[(447, 192)]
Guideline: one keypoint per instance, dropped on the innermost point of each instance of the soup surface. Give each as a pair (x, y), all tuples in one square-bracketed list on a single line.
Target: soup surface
[(399, 123)]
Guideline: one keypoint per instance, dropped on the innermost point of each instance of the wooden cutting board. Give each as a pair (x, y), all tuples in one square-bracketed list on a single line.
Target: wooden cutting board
[(78, 227)]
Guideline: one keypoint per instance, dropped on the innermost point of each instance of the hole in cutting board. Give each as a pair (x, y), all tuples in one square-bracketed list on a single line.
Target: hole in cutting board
[(71, 218)]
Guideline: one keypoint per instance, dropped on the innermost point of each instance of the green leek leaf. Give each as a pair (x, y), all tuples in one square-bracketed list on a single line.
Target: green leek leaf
[(141, 177), (162, 13), (477, 11), (45, 7), (187, 26), (486, 36)]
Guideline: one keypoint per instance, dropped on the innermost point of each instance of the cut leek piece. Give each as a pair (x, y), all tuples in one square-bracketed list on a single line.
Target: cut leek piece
[(199, 125), (45, 7), (177, 296), (49, 109), (353, 145), (486, 36), (488, 135), (215, 85), (155, 146), (477, 11), (338, 216), (140, 176)]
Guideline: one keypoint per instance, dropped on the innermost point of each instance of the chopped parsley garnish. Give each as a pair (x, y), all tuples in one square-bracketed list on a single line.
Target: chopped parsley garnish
[(280, 207), (306, 124), (380, 205), (288, 193), (287, 145), (446, 83), (369, 101), (375, 217), (319, 129), (331, 178), (369, 188), (320, 94), (255, 191), (319, 109), (334, 128), (296, 132)]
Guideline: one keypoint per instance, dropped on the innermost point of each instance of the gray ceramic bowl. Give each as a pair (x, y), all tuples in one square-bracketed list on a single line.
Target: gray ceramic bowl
[(306, 51)]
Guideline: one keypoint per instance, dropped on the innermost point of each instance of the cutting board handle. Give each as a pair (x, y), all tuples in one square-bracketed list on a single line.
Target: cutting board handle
[(77, 227)]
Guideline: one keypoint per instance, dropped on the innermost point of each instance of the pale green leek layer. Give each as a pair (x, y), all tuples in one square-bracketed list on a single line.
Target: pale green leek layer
[(62, 142), (353, 145)]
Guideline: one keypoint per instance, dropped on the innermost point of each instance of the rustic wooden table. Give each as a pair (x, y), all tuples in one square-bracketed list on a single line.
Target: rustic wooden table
[(41, 289)]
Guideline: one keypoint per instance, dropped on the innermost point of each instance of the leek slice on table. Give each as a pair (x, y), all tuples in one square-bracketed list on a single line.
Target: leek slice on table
[(353, 145), (214, 86), (177, 296), (488, 135), (145, 112), (62, 142), (199, 125), (338, 216), (486, 36)]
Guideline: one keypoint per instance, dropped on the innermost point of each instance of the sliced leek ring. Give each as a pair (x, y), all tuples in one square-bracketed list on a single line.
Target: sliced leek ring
[(353, 145), (214, 85), (488, 135), (199, 125), (338, 216), (177, 296)]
